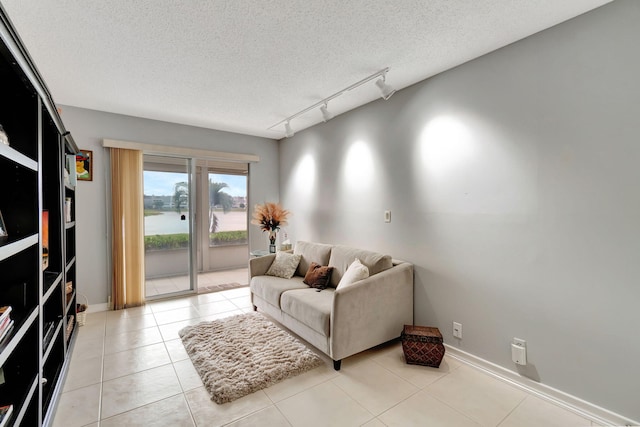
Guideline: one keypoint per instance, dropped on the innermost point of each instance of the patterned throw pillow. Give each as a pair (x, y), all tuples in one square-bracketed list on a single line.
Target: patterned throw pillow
[(284, 265), (318, 276), (356, 272)]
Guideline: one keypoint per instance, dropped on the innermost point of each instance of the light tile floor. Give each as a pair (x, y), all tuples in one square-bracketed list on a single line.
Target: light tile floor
[(167, 285), (129, 368)]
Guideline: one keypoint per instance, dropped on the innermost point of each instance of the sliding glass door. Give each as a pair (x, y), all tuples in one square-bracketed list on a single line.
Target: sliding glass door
[(222, 239), (168, 225)]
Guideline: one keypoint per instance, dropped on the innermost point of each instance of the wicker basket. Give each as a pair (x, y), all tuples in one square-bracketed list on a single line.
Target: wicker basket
[(67, 332), (81, 316)]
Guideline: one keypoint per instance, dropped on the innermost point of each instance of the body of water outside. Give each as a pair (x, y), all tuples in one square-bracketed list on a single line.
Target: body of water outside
[(170, 223)]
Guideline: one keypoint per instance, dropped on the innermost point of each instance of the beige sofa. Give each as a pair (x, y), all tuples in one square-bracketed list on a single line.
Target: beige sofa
[(339, 322)]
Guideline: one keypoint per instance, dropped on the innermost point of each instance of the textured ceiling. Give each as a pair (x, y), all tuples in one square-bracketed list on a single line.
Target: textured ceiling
[(243, 65)]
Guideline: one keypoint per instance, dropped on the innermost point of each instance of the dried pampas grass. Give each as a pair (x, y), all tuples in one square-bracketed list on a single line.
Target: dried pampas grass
[(270, 216)]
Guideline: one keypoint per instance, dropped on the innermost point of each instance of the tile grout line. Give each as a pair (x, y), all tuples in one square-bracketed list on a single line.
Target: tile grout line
[(301, 391), (430, 394), (513, 410), (143, 370), (355, 400), (184, 396), (104, 349), (103, 336), (458, 411)]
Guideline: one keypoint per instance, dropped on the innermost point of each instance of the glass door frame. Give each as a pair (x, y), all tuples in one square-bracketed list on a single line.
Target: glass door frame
[(193, 235)]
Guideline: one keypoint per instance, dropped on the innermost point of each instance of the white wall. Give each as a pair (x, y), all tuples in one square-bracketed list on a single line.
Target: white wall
[(90, 127), (513, 182)]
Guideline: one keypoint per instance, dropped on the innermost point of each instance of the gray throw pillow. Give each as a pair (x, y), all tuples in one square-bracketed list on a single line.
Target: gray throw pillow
[(284, 265)]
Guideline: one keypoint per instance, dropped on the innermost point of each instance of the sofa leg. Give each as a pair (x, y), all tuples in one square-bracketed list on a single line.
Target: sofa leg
[(336, 364), (255, 308)]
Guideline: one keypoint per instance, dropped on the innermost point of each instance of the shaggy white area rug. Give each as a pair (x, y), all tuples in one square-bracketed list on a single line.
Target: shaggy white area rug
[(239, 355)]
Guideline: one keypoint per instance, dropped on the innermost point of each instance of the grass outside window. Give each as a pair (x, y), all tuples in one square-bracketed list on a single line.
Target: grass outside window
[(160, 242)]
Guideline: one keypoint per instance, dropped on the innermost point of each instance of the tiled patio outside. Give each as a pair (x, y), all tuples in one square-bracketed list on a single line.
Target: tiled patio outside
[(167, 285)]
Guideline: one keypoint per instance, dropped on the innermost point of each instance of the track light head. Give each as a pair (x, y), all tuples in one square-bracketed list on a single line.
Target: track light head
[(326, 115), (288, 132), (385, 90)]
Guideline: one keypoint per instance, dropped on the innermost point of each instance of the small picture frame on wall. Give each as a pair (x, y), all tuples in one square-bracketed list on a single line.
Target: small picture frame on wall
[(84, 165), (3, 229)]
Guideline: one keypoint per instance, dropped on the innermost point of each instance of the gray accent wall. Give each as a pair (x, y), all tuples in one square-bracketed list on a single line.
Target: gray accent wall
[(514, 187), (90, 127)]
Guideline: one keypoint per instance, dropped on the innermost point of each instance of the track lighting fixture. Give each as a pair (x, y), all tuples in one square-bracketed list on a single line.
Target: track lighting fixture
[(385, 90), (288, 132), (326, 115)]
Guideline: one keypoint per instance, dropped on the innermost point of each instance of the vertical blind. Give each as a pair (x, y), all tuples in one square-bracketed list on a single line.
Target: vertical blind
[(128, 228)]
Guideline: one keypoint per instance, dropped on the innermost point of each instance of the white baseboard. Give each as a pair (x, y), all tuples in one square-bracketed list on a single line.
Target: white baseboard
[(572, 403)]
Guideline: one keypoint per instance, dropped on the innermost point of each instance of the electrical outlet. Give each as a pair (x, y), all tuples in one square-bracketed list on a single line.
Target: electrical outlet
[(519, 351), (519, 342), (387, 216), (457, 330)]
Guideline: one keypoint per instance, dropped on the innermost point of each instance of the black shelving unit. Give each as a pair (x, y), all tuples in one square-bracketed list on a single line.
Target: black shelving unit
[(37, 257)]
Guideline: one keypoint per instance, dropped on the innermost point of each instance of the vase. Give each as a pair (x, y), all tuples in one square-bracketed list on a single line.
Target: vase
[(272, 241)]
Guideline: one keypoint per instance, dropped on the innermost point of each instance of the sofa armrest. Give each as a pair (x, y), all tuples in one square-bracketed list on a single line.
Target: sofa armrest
[(258, 266), (371, 311)]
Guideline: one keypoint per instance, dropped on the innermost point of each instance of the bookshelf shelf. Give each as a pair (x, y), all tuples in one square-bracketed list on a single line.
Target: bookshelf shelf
[(30, 395), (9, 153), (70, 263), (51, 280), (13, 340), (13, 247)]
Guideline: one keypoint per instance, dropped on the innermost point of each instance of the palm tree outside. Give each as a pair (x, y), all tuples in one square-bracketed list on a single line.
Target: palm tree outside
[(180, 196), (218, 199)]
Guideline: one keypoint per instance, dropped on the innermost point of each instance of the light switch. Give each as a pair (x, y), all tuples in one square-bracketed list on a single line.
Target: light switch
[(387, 216)]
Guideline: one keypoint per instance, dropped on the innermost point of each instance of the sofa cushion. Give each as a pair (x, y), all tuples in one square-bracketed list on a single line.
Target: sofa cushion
[(318, 276), (356, 272), (311, 252), (270, 288), (310, 307), (284, 265), (342, 257)]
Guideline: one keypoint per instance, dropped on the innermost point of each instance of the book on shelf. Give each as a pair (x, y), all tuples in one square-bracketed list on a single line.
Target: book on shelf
[(71, 170), (67, 209), (4, 312), (5, 414), (49, 329), (3, 229), (4, 323), (45, 239), (4, 330), (70, 322)]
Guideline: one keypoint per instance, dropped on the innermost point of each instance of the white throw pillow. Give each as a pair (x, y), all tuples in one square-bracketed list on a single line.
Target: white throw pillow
[(284, 265), (356, 271)]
